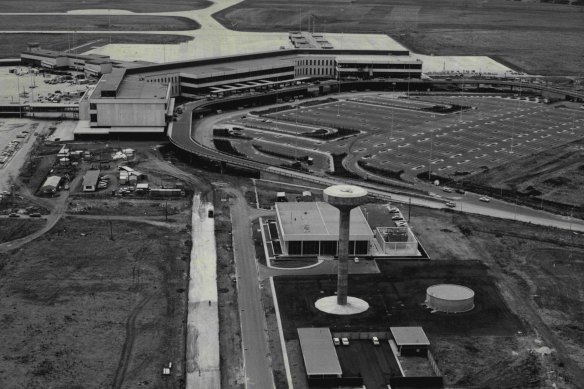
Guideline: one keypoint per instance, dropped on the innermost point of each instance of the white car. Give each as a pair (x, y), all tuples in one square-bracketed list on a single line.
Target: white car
[(336, 342), (375, 341), (485, 199), (345, 341)]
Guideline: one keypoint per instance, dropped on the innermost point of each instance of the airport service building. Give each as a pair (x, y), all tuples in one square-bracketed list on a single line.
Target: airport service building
[(312, 228), (118, 104)]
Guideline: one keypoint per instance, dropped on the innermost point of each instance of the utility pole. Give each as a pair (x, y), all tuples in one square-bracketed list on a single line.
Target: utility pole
[(111, 230)]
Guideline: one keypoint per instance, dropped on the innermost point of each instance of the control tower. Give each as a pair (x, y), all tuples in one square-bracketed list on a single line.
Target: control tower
[(344, 198)]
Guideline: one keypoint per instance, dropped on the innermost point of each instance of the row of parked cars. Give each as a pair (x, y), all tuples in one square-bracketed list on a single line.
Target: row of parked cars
[(397, 218), (345, 341)]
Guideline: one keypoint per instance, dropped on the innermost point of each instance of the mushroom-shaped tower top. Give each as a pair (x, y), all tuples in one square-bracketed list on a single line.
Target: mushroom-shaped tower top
[(345, 195)]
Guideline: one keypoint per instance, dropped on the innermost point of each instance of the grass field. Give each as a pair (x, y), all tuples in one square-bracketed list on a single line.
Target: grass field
[(11, 229), (12, 45), (90, 312), (96, 23), (538, 38), (130, 5)]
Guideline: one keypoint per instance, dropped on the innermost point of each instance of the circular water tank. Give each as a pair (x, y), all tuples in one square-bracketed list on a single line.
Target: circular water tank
[(450, 298)]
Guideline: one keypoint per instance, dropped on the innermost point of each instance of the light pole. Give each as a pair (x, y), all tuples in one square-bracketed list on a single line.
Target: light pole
[(461, 99), (391, 130), (430, 160), (339, 89)]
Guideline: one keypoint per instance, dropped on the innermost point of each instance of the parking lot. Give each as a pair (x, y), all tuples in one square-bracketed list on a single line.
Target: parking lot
[(396, 134), (376, 364), (25, 85)]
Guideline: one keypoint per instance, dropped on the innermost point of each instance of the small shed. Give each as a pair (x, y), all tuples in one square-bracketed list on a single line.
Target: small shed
[(281, 197), (90, 180), (410, 340), (50, 185)]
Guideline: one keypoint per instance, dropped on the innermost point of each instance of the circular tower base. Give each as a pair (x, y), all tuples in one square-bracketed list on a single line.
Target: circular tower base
[(329, 305)]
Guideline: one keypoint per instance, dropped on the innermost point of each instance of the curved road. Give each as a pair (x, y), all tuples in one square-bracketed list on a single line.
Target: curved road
[(181, 134)]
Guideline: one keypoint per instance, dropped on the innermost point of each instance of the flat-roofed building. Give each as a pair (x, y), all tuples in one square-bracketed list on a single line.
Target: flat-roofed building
[(319, 354), (90, 180), (377, 66), (312, 228), (410, 340), (94, 64), (124, 105)]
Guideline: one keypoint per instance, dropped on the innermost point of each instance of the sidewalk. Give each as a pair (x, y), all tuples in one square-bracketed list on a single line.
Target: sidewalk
[(202, 357)]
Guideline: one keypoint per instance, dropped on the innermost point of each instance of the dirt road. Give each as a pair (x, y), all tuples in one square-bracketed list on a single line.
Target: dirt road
[(202, 355)]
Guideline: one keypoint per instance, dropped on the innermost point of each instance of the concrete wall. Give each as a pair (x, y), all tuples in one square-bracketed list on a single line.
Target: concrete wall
[(131, 114)]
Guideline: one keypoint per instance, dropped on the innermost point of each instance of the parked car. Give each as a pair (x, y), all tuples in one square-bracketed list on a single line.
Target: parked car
[(375, 341), (336, 341), (13, 215), (356, 260), (461, 191), (345, 341), (397, 217), (450, 204), (447, 189), (36, 214), (485, 199)]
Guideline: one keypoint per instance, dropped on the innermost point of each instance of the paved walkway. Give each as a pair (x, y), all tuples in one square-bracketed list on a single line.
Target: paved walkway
[(202, 357)]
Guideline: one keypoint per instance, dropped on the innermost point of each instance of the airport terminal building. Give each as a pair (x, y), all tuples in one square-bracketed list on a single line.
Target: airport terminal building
[(137, 97)]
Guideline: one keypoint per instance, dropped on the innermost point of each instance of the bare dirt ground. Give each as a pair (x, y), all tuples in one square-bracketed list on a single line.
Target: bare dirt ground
[(139, 207), (538, 271), (82, 311), (539, 38), (273, 335), (232, 373), (556, 173)]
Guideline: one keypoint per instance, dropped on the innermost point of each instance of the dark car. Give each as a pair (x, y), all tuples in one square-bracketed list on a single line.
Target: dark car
[(13, 215), (461, 191)]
